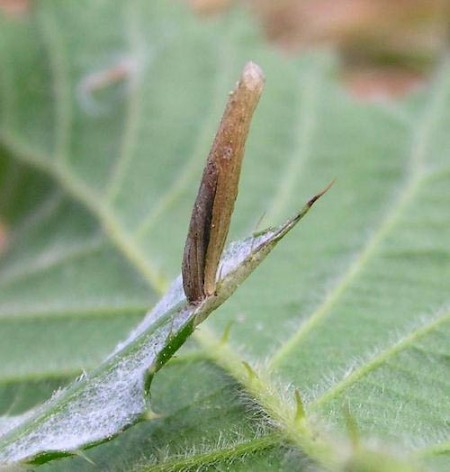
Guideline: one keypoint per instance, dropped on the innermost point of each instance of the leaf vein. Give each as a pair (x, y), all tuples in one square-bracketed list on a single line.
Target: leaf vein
[(213, 456), (204, 137), (50, 259), (306, 116), (77, 189), (129, 135), (63, 113), (413, 182), (381, 357)]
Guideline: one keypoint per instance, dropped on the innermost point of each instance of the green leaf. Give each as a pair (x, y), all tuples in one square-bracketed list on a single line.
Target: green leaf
[(100, 405), (107, 111)]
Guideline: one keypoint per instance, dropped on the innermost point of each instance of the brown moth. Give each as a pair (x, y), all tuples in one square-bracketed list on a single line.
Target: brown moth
[(214, 205)]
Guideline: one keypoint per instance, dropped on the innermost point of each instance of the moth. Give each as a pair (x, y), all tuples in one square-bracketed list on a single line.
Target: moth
[(214, 205)]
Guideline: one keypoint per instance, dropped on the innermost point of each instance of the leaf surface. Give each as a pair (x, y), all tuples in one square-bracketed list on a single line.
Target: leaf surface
[(107, 111), (100, 405)]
